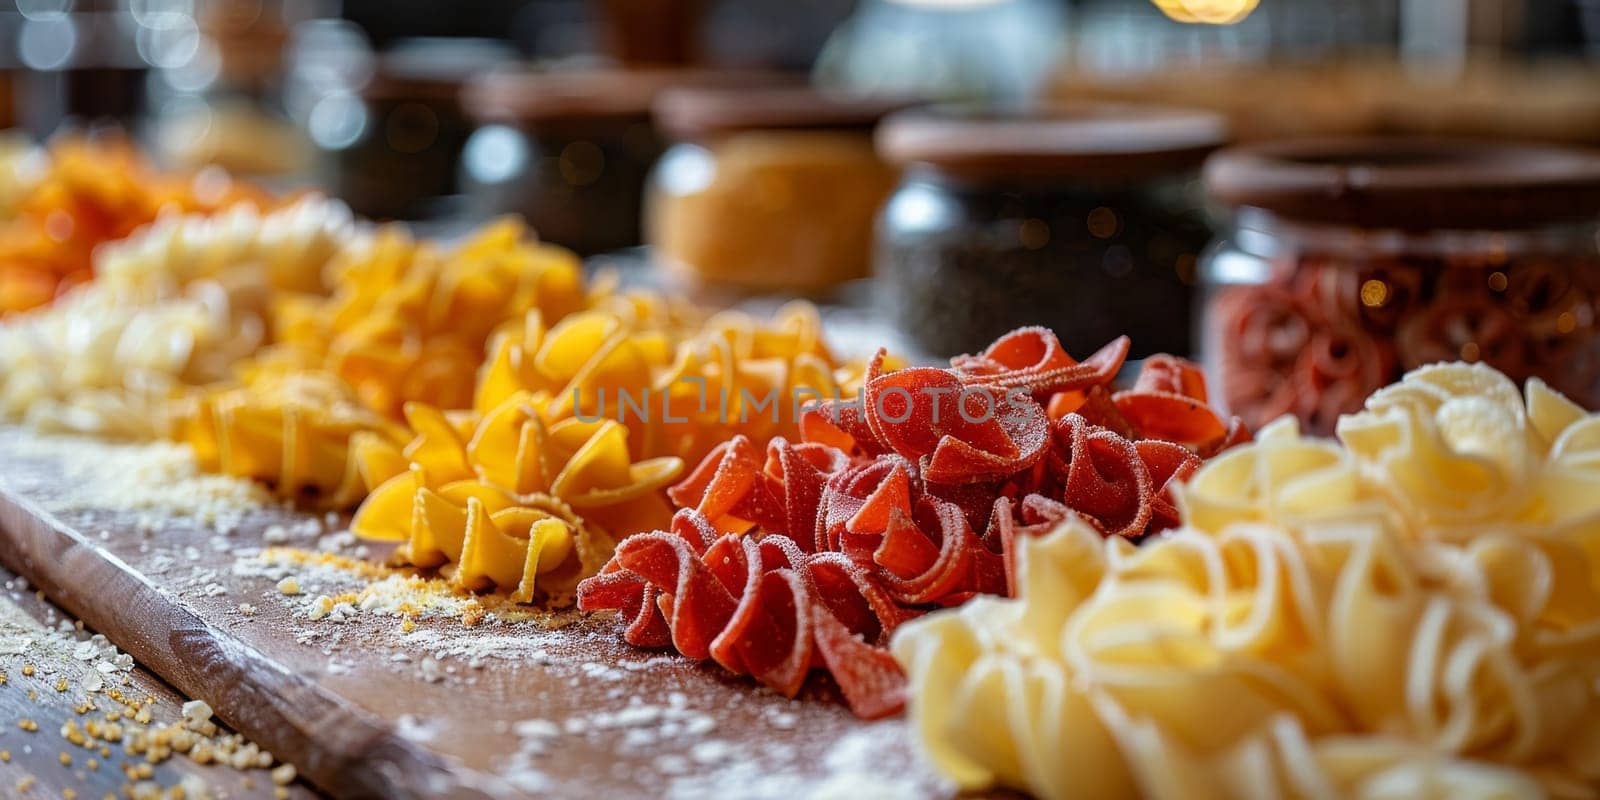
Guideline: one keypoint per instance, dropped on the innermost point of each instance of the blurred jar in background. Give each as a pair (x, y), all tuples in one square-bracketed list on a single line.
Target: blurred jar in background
[(404, 162), (1085, 219), (570, 149), (767, 189), (652, 32), (85, 61), (390, 127), (945, 49), (223, 105), (1350, 261)]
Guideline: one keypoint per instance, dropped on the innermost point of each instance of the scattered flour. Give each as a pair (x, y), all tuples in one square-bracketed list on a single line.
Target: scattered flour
[(155, 480)]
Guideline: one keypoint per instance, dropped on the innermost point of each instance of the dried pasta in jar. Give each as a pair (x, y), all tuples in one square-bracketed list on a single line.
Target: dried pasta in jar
[(1351, 262)]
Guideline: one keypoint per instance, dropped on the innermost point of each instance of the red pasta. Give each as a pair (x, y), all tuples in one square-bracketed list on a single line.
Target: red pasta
[(757, 606), (908, 499)]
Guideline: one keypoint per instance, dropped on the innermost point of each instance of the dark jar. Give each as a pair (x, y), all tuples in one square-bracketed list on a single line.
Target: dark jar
[(1084, 220), (1349, 262), (402, 160)]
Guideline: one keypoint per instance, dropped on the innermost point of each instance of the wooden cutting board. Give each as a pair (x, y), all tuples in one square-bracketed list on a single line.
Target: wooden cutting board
[(365, 708)]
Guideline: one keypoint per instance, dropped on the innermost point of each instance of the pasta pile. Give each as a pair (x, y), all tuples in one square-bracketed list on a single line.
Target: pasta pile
[(292, 429), (1410, 611), (406, 322), (545, 447), (176, 304), (409, 320), (507, 501), (813, 552), (91, 193)]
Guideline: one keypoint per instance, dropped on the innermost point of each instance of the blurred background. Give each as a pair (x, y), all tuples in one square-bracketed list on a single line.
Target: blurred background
[(949, 169), (311, 90)]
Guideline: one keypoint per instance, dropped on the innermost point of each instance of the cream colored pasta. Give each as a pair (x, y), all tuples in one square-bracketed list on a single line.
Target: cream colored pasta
[(288, 248), (177, 304), (1336, 620)]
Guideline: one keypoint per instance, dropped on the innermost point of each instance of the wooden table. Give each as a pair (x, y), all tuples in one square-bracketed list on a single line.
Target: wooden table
[(34, 768), (368, 705)]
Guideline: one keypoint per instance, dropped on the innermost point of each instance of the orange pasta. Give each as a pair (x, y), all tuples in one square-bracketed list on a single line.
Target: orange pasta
[(93, 192)]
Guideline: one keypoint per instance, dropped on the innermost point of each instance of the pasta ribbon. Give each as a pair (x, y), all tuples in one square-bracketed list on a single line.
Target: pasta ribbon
[(1411, 611)]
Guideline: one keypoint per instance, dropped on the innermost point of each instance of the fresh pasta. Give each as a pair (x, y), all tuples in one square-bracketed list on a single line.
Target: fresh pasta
[(409, 320), (550, 436), (504, 456), (683, 387), (1411, 611), (405, 321), (177, 304), (895, 509), (295, 430)]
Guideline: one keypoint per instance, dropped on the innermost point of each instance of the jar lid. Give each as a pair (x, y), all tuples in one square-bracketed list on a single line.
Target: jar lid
[(1410, 183), (698, 112), (1098, 141), (526, 94)]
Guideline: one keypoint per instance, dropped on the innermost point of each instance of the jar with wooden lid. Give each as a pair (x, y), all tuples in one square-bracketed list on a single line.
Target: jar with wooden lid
[(769, 189), (1085, 219), (1351, 261), (570, 150)]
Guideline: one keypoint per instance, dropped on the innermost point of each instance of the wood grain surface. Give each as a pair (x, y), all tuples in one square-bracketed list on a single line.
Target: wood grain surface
[(364, 707), (32, 765)]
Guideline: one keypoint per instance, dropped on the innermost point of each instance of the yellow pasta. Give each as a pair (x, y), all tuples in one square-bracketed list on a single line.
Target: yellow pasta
[(1413, 611), (292, 429), (534, 547), (596, 413), (405, 321), (509, 501), (408, 320), (680, 391), (177, 304)]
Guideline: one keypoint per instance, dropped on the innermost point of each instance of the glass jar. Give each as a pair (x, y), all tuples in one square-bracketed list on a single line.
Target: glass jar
[(224, 105), (1350, 262), (400, 156), (87, 63), (1086, 220), (570, 150), (767, 189)]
